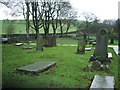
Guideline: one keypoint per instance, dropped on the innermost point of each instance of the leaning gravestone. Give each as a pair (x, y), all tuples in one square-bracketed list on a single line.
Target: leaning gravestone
[(101, 52), (81, 46), (36, 67)]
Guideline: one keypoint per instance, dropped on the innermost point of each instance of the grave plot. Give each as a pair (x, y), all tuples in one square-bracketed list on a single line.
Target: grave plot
[(102, 82), (36, 67)]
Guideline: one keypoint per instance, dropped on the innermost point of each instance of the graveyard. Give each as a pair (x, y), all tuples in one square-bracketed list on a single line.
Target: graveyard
[(68, 72), (52, 44)]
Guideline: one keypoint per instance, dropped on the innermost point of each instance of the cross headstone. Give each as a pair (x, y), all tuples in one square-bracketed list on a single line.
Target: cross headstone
[(101, 52)]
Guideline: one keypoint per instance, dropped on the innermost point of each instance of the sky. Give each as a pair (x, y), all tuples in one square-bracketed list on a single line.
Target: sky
[(103, 9)]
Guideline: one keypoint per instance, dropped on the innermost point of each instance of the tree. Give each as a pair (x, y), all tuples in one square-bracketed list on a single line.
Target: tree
[(72, 15), (64, 8), (37, 14), (26, 14), (89, 18)]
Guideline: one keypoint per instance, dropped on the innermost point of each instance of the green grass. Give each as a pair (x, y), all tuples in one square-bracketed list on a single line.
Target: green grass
[(66, 41), (22, 27), (67, 73)]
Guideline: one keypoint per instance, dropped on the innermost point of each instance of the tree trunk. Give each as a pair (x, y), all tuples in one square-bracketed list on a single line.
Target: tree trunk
[(39, 44), (27, 20), (68, 26), (61, 29)]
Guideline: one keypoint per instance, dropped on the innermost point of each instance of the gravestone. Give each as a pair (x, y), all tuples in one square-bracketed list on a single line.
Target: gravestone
[(101, 52), (49, 41), (39, 44), (81, 46), (36, 67), (102, 82)]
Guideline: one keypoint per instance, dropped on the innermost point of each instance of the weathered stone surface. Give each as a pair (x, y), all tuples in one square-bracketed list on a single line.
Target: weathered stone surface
[(39, 44), (101, 52), (102, 82), (96, 65), (18, 44), (87, 49), (81, 46), (36, 67), (49, 41), (110, 55)]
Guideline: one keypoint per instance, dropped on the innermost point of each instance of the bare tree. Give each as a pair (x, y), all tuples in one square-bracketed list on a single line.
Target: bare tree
[(37, 14), (63, 14), (26, 13), (89, 18)]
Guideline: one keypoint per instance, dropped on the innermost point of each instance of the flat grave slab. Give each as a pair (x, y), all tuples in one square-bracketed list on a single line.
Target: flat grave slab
[(18, 44), (103, 82), (36, 67), (88, 49), (110, 55)]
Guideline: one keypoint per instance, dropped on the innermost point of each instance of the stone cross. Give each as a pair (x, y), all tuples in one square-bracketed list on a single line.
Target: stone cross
[(101, 52)]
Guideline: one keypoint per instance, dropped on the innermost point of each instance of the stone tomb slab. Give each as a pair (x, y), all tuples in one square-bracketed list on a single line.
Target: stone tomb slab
[(18, 44), (110, 55), (36, 67), (87, 49), (103, 82)]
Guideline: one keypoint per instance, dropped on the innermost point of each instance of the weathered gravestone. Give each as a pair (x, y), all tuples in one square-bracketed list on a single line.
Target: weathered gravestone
[(101, 52), (81, 46), (36, 67), (49, 41), (39, 44)]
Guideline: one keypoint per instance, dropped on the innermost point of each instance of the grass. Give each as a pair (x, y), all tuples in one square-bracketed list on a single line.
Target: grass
[(67, 73), (22, 27)]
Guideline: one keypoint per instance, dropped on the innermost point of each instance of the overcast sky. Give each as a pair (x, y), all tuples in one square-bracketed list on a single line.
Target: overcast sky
[(103, 9)]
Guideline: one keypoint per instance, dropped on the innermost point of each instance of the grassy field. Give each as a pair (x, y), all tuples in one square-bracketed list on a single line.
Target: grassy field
[(22, 27), (67, 73)]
